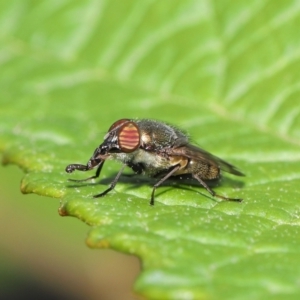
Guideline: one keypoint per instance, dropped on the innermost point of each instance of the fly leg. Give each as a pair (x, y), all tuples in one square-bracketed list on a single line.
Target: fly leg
[(71, 168), (112, 185), (161, 181), (214, 193)]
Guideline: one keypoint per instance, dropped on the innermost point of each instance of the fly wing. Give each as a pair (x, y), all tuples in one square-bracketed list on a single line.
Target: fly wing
[(196, 153)]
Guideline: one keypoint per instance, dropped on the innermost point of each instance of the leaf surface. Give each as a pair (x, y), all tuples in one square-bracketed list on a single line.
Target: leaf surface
[(227, 73)]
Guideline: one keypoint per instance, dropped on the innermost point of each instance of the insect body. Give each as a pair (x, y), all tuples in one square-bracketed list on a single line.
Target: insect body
[(155, 149)]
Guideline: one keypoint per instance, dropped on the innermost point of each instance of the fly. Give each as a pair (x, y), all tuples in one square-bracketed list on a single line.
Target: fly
[(158, 150)]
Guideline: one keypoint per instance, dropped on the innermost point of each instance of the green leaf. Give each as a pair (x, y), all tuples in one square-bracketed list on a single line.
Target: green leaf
[(226, 72)]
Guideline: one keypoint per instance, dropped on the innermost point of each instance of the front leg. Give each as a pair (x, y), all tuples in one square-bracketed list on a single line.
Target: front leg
[(112, 185), (71, 168)]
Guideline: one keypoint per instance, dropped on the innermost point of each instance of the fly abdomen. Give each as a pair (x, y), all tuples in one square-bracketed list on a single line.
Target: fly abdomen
[(205, 171)]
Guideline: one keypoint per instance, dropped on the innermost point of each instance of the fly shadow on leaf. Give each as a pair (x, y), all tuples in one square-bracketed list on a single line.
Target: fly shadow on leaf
[(182, 182)]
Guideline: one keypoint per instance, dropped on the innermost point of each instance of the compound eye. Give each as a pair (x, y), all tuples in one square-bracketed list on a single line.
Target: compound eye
[(129, 137), (118, 124)]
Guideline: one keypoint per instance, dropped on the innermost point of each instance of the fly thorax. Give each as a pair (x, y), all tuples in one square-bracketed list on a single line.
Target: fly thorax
[(123, 157)]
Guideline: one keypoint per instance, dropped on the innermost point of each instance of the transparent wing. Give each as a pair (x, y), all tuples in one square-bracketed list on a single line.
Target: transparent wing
[(196, 153)]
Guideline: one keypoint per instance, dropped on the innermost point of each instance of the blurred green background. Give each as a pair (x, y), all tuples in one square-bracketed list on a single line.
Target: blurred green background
[(43, 255)]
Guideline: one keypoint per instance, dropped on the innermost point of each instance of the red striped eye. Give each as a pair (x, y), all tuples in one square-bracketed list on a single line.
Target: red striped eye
[(118, 124), (129, 137)]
